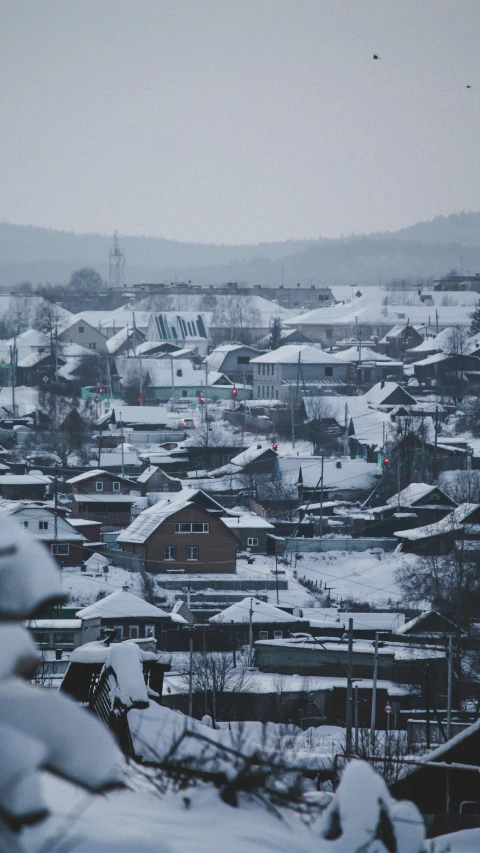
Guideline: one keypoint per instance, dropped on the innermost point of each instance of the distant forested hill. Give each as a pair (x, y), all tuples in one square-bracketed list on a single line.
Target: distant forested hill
[(39, 255)]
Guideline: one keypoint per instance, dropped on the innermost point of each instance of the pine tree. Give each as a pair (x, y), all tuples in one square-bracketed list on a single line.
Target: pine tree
[(276, 333), (475, 317)]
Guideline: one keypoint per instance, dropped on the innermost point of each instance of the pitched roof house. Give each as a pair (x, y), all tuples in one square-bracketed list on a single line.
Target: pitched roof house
[(180, 535)]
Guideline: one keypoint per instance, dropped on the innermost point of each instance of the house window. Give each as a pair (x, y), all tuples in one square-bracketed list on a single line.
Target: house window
[(330, 333), (150, 630), (329, 371), (192, 527), (170, 553), (99, 486), (81, 329), (192, 552), (119, 630), (252, 542), (43, 525), (278, 635), (263, 635), (25, 523), (92, 345), (184, 392), (243, 359), (116, 487), (64, 637), (60, 549), (133, 632), (42, 638)]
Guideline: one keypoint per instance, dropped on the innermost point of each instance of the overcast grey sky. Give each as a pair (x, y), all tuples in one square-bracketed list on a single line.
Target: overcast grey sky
[(238, 120)]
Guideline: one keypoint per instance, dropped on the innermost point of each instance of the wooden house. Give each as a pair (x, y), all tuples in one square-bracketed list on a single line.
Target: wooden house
[(102, 496), (182, 534), (153, 479)]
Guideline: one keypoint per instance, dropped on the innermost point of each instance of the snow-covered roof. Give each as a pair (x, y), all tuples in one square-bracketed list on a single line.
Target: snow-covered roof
[(368, 310), (24, 479), (432, 359), (452, 523), (362, 354), (239, 613), (248, 521), (292, 353), (96, 472), (140, 414), (147, 522), (413, 493), (104, 497), (159, 371), (122, 604), (352, 473), (380, 392), (119, 338), (437, 344), (33, 358), (219, 354)]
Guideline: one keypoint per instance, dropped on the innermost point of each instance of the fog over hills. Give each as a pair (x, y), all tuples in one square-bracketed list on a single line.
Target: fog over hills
[(427, 248)]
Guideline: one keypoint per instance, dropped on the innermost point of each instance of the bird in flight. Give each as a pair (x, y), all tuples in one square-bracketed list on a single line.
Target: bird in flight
[(376, 56), (468, 87)]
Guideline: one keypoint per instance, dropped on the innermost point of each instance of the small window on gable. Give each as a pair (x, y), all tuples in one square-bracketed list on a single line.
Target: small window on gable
[(179, 372), (43, 525), (81, 329), (116, 486), (99, 486)]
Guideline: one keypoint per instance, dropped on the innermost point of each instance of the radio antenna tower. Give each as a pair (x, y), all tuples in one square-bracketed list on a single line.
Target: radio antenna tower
[(117, 263)]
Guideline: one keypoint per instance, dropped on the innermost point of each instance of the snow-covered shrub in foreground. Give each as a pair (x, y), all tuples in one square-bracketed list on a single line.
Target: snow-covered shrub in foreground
[(42, 730)]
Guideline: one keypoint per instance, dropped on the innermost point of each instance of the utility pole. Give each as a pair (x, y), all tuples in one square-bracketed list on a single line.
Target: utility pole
[(206, 397), (250, 633), (356, 719), (345, 440), (276, 577), (292, 418), (173, 382), (348, 738), (190, 681), (449, 687), (123, 453), (398, 480), (214, 695), (13, 372), (427, 705), (321, 499), (373, 723)]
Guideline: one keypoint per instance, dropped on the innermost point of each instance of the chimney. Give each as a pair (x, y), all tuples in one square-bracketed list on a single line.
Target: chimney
[(382, 384), (259, 446)]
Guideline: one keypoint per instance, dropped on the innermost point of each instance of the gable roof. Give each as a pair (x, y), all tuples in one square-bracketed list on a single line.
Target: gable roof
[(413, 493), (262, 612), (452, 523), (291, 353), (219, 354), (378, 395), (362, 354), (147, 522), (96, 472), (121, 604)]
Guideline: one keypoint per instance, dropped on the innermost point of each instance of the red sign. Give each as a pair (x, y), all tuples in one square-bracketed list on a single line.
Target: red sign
[(141, 399)]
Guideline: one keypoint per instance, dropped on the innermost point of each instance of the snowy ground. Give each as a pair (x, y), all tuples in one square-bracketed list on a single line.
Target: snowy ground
[(83, 588), (362, 576)]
